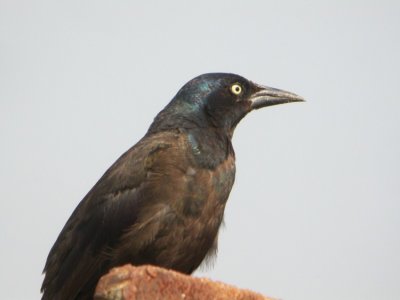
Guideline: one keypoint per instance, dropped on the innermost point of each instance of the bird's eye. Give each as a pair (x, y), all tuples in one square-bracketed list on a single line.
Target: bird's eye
[(236, 89)]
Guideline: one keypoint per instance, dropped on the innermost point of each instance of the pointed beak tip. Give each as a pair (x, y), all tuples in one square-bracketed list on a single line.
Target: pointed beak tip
[(290, 97), (300, 99)]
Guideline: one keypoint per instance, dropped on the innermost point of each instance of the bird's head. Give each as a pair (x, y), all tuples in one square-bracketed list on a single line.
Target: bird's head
[(217, 100)]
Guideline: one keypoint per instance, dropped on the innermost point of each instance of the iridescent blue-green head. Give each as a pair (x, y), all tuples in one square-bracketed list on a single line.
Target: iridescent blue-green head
[(217, 100)]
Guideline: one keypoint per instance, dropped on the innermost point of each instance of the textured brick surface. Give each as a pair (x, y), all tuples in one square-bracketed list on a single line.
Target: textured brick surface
[(149, 282)]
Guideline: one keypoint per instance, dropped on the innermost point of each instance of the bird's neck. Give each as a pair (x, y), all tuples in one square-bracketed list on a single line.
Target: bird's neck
[(209, 146)]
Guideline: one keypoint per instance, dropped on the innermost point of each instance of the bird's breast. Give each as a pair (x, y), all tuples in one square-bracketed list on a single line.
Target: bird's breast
[(207, 190), (196, 215), (182, 204)]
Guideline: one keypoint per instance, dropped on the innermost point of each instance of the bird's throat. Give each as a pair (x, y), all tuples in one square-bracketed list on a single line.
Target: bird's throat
[(209, 147)]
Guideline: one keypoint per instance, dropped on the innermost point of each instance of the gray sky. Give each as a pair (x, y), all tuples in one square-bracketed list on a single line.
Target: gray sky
[(314, 213)]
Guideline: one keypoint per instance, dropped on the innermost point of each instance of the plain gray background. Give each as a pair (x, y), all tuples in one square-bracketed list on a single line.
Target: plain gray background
[(315, 210)]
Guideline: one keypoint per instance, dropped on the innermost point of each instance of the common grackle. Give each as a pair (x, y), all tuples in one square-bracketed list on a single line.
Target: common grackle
[(162, 202)]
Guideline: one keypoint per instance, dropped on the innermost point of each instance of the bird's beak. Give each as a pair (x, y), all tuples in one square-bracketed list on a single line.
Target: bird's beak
[(267, 96)]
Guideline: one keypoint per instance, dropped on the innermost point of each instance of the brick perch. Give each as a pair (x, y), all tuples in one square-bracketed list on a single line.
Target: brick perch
[(149, 282)]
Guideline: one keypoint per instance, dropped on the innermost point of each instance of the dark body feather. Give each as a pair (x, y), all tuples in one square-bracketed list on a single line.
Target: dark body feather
[(161, 202)]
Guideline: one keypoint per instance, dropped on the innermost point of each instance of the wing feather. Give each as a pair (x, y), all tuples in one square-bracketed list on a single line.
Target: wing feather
[(81, 253)]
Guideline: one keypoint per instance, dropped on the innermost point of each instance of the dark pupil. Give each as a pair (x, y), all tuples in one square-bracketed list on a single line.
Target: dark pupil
[(237, 89)]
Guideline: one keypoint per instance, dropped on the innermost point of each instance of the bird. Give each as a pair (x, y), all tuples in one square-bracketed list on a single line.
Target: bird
[(162, 202)]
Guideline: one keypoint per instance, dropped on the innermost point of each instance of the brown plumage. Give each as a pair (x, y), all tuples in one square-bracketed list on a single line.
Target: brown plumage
[(162, 202)]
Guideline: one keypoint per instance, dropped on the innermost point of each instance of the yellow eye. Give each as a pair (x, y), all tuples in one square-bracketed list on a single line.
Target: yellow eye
[(236, 89)]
